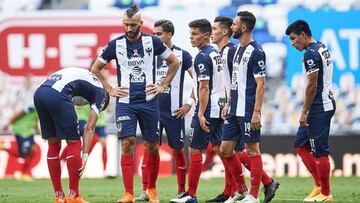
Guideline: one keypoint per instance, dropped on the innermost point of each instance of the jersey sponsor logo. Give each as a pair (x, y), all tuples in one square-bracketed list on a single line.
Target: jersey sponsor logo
[(203, 77), (310, 63), (261, 64), (201, 68), (136, 62)]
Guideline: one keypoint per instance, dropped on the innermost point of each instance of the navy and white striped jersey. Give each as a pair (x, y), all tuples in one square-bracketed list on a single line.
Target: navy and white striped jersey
[(208, 65), (72, 82), (317, 59), (172, 97), (227, 54), (135, 64), (248, 64)]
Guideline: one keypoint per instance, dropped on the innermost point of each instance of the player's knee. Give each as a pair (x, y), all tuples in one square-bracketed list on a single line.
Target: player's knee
[(127, 145), (153, 148), (225, 151)]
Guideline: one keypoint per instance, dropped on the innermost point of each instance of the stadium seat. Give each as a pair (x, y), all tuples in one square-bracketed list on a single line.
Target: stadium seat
[(253, 8), (229, 11), (123, 3), (146, 3), (314, 5), (240, 2)]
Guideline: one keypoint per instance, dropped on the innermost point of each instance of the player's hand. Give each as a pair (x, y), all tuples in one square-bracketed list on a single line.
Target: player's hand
[(119, 92), (204, 124), (303, 120), (182, 111), (225, 111), (256, 121), (82, 169), (154, 89)]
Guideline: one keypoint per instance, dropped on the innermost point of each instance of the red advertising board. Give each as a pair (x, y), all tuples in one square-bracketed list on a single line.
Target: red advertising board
[(41, 44)]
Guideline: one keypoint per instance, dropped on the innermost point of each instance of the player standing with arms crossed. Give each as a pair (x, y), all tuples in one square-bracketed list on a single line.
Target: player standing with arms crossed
[(136, 92), (311, 142)]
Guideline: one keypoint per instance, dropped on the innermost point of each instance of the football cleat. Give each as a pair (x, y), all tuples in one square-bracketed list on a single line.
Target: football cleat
[(314, 192), (126, 198), (142, 197), (220, 198), (270, 190)]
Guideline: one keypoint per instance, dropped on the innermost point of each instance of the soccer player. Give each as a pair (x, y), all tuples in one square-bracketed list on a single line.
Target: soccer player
[(58, 121), (24, 123), (206, 123), (82, 113), (221, 33), (136, 92), (311, 142), (245, 101), (172, 109)]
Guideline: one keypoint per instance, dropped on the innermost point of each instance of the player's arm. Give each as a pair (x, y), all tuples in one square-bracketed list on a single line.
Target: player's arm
[(203, 101), (310, 92), (311, 64), (259, 99), (87, 137), (258, 69)]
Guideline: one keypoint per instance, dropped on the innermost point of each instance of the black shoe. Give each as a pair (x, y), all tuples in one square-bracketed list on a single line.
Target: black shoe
[(220, 198), (270, 190)]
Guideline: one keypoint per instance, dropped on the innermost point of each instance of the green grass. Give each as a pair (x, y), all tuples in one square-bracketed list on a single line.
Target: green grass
[(109, 190)]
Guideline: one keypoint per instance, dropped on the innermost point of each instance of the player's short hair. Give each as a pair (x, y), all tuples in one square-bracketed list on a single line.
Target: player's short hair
[(226, 22), (297, 27), (130, 12), (203, 25), (166, 25), (248, 18)]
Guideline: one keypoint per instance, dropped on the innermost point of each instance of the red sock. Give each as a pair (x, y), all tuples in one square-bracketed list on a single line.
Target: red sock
[(153, 169), (244, 158), (209, 156), (309, 162), (104, 157), (127, 169), (235, 168), (74, 163), (255, 173), (228, 178), (144, 170), (31, 161), (180, 167), (54, 167), (323, 171), (194, 173)]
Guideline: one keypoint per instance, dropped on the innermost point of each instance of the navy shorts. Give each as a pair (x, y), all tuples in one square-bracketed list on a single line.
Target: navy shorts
[(99, 130), (24, 144), (56, 113), (146, 113), (199, 139), (174, 128), (316, 135), (239, 129)]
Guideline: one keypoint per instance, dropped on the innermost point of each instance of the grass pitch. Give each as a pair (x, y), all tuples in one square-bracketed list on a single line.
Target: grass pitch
[(109, 190)]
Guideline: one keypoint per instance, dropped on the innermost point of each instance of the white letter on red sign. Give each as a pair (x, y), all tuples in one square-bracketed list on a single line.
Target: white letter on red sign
[(18, 52), (75, 49)]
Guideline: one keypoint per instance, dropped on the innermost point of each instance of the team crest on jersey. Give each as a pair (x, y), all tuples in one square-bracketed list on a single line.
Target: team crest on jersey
[(148, 50), (237, 59), (222, 102), (245, 59)]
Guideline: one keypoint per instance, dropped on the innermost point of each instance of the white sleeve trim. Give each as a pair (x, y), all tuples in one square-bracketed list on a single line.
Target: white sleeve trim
[(165, 54), (259, 75), (94, 107), (312, 71), (102, 60)]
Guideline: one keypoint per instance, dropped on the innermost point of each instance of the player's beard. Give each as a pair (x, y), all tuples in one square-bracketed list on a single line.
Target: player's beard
[(132, 34), (238, 34)]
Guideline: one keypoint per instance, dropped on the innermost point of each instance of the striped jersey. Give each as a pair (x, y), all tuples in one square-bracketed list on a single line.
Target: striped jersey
[(208, 65), (248, 64), (78, 82), (227, 54), (172, 97), (135, 63), (317, 59)]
